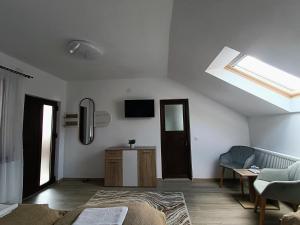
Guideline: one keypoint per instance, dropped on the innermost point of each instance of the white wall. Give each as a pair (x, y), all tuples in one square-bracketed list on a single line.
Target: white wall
[(214, 128), (277, 133), (46, 86)]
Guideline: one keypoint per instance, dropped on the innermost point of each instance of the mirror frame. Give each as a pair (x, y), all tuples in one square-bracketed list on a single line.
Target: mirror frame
[(93, 121)]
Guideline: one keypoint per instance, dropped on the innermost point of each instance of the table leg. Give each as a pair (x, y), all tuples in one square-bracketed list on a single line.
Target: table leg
[(242, 186), (251, 188), (256, 203), (262, 209)]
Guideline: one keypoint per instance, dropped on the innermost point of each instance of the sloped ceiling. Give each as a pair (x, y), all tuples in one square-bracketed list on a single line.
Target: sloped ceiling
[(133, 33), (268, 30), (155, 38)]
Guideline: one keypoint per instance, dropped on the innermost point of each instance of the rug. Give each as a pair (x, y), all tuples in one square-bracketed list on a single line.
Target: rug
[(171, 203)]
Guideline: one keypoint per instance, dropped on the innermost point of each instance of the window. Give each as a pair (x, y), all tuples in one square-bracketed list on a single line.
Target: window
[(266, 75)]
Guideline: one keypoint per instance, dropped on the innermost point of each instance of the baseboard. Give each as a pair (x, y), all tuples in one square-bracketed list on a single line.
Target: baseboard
[(172, 179), (82, 179), (100, 180), (157, 179), (196, 180)]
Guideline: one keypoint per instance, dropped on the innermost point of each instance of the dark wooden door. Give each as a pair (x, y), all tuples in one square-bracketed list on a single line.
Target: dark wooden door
[(175, 139), (39, 134)]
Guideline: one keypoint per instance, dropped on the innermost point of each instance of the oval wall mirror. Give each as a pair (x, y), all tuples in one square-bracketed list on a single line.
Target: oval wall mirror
[(86, 121)]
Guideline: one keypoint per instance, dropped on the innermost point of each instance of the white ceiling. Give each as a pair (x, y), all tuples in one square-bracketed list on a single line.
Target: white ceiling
[(140, 39), (133, 33), (266, 29)]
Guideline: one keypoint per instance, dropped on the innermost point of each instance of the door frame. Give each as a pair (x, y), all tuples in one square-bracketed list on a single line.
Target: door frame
[(53, 103), (185, 103)]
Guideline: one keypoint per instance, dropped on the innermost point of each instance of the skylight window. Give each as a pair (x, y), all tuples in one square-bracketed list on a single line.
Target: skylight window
[(266, 75)]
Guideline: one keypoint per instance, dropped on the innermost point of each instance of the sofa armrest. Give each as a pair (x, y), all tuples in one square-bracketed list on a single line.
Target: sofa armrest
[(273, 175), (249, 161)]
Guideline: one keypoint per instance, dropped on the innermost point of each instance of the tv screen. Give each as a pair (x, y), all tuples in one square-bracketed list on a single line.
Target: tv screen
[(139, 108)]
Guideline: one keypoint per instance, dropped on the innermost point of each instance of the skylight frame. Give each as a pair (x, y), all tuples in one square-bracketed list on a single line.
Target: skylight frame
[(258, 79)]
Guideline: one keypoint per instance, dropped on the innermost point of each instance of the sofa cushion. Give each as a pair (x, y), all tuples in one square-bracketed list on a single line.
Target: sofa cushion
[(27, 214), (232, 165), (139, 213), (240, 154)]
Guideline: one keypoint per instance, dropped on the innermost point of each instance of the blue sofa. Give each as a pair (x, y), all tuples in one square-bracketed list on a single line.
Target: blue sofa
[(262, 158)]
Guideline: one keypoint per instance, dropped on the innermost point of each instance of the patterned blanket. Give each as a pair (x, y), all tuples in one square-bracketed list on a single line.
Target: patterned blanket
[(171, 203)]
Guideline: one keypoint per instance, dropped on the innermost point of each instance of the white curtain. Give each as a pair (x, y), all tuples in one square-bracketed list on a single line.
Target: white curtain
[(11, 145)]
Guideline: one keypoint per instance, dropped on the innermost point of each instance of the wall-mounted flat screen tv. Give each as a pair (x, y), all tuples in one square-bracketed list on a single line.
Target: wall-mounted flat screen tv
[(139, 108)]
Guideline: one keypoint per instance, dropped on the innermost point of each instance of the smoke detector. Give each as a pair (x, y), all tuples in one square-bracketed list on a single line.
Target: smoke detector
[(84, 49)]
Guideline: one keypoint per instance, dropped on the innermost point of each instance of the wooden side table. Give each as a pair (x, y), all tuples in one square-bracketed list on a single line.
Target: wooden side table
[(245, 173), (250, 204)]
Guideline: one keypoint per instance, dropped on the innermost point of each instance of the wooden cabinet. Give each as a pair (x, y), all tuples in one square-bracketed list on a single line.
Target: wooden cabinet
[(130, 167)]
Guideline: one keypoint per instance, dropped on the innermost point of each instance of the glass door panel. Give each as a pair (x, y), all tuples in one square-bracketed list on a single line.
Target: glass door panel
[(174, 117), (46, 144)]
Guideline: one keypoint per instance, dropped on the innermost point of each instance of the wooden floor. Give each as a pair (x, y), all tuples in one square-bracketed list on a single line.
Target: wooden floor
[(206, 202)]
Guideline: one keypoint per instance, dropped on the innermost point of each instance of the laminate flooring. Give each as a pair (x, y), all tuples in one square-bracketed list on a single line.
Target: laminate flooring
[(207, 203)]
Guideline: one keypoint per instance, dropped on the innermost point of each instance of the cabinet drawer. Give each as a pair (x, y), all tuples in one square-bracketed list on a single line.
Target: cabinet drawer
[(115, 154)]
